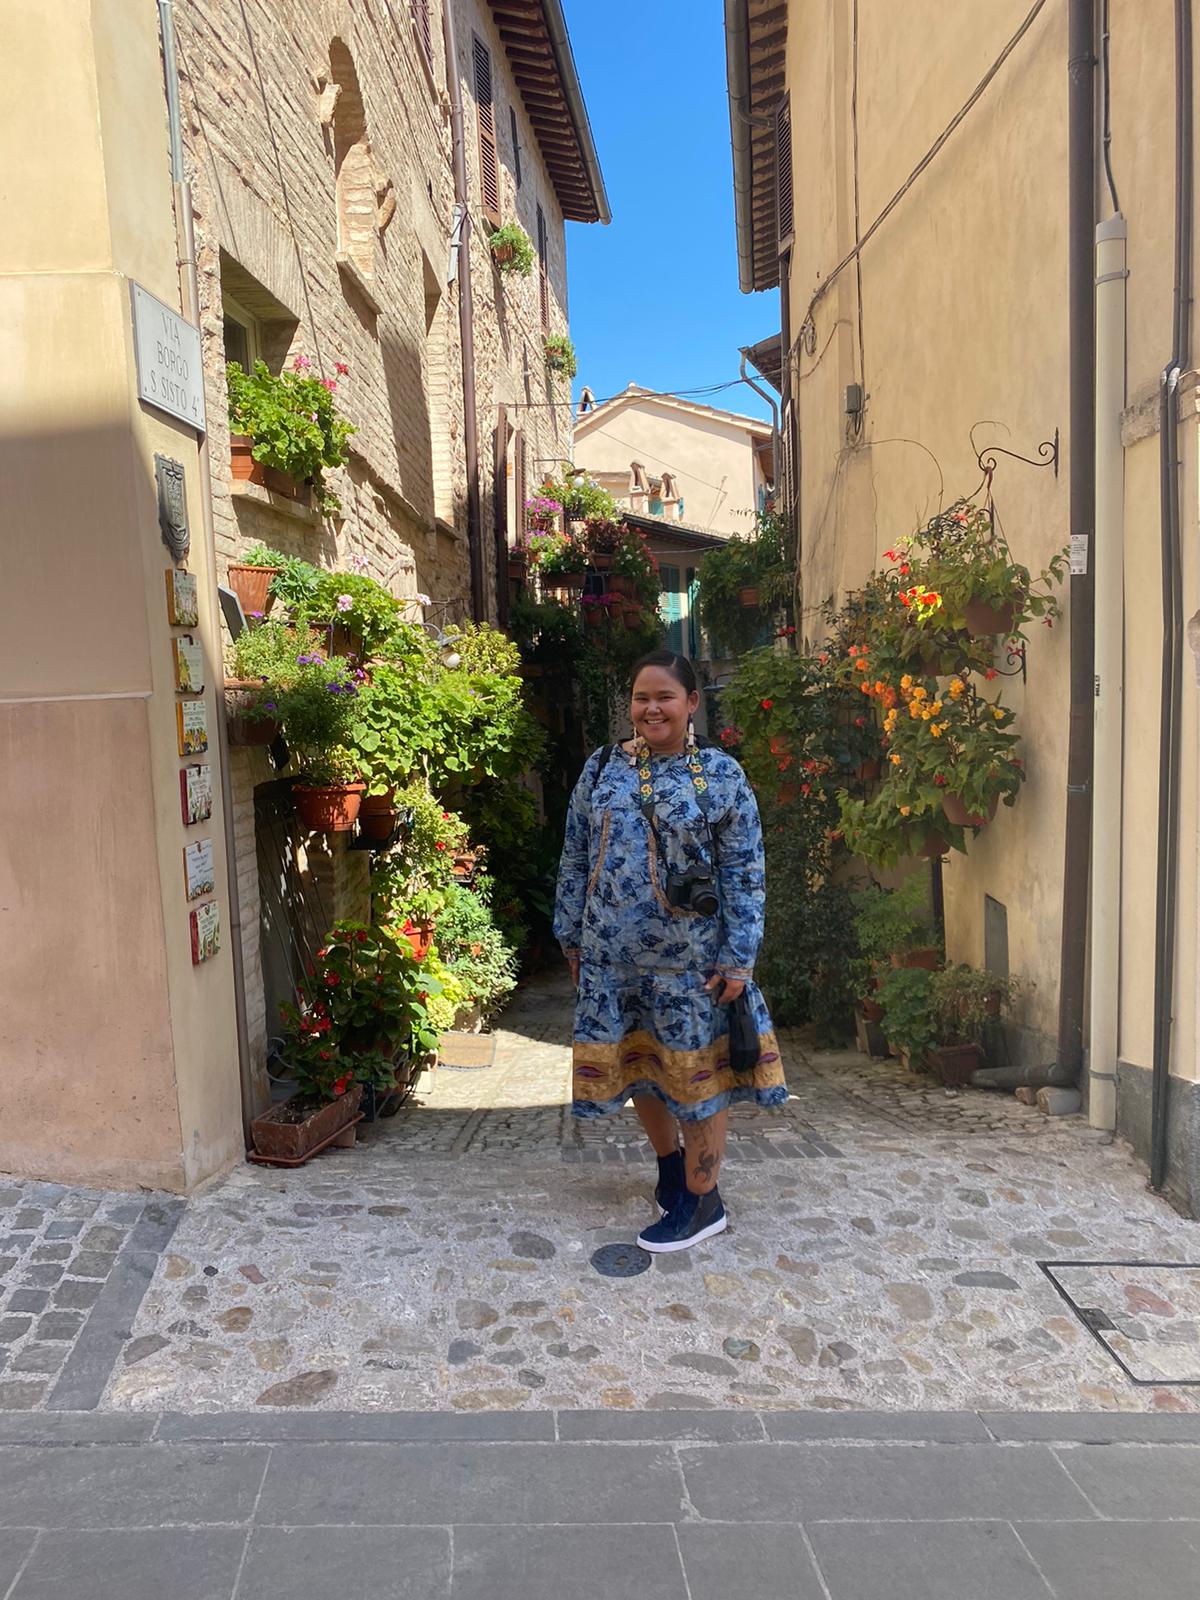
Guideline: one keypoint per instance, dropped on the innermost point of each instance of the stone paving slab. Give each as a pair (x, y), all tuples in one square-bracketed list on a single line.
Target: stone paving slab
[(566, 1520)]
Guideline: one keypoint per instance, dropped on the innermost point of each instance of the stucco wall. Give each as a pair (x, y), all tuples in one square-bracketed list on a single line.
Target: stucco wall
[(956, 312), (716, 473)]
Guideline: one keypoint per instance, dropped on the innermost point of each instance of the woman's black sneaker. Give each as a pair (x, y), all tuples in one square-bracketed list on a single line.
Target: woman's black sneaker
[(671, 1182), (693, 1218)]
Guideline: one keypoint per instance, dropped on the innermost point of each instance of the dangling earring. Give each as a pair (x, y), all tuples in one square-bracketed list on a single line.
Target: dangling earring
[(691, 736)]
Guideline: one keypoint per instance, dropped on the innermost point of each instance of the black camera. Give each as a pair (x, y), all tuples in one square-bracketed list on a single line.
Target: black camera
[(692, 891)]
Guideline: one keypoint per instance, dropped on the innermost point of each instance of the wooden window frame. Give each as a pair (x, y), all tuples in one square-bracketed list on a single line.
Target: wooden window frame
[(515, 130)]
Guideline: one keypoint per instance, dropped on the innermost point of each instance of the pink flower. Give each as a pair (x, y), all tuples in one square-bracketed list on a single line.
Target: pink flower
[(422, 599), (345, 602), (357, 562), (301, 364), (330, 384), (342, 370)]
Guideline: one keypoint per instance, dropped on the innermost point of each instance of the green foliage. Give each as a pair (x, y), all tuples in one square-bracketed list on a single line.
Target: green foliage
[(554, 554), (292, 422), (295, 584), (360, 604), (756, 561), (904, 994), (452, 995), (261, 555), (483, 648), (546, 631), (512, 238), (268, 650), (522, 855), (964, 1001), (411, 883), (960, 556), (892, 922), (314, 700), (579, 496), (365, 1000), (484, 964), (560, 355)]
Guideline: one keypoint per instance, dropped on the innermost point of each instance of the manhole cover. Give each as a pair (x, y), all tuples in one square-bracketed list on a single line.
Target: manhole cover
[(1146, 1314), (621, 1260)]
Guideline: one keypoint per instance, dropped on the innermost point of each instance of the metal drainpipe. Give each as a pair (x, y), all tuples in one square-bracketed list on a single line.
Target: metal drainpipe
[(191, 306), (466, 313), (1104, 1000), (1081, 118), (1170, 731)]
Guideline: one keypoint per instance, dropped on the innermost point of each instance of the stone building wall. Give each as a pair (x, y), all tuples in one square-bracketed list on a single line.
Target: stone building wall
[(317, 142)]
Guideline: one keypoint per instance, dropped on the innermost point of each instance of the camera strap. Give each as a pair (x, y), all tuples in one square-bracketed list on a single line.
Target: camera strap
[(699, 784)]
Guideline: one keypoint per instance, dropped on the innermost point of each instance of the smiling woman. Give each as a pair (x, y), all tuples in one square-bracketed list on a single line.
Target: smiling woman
[(659, 913)]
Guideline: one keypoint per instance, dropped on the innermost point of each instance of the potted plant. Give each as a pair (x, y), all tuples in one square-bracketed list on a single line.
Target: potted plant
[(475, 954), (894, 926), (968, 565), (560, 355), (904, 994), (285, 430), (410, 883), (560, 561), (251, 579), (543, 511), (603, 537), (315, 698), (359, 612), (512, 249), (259, 663), (965, 1002), (952, 751)]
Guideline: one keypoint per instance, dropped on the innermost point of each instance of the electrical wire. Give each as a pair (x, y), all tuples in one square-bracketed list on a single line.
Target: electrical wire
[(933, 151), (659, 394)]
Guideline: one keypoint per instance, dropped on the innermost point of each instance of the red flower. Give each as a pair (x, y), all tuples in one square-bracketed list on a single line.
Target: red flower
[(990, 674), (940, 781), (905, 570), (766, 704), (806, 788), (860, 722), (853, 651), (342, 370), (326, 1055), (361, 936), (904, 600), (342, 1084), (333, 979)]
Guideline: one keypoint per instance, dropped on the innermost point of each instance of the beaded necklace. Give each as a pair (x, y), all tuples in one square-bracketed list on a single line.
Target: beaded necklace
[(641, 760)]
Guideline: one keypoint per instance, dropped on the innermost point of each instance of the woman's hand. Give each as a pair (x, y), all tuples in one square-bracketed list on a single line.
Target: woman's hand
[(725, 990)]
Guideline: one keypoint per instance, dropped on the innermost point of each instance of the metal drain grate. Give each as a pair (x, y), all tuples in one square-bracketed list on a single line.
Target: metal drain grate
[(1145, 1314), (621, 1260)]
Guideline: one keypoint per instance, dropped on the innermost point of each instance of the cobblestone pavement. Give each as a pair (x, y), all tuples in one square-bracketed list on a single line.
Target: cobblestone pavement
[(885, 1251), (592, 1506)]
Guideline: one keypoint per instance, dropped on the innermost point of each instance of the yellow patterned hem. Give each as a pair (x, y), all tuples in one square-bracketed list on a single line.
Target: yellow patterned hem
[(602, 1072)]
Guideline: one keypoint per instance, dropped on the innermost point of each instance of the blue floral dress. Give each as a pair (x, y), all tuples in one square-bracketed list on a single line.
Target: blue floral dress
[(644, 1024)]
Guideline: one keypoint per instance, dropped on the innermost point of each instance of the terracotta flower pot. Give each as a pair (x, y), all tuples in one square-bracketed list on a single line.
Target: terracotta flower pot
[(279, 1136), (748, 597), (955, 1063), (934, 847), (243, 695), (246, 470), (571, 580), (377, 816), (867, 771), (984, 619), (634, 617), (623, 586), (420, 939), (595, 616), (601, 560), (958, 814), (871, 1010), (252, 587), (330, 809), (928, 957), (502, 253)]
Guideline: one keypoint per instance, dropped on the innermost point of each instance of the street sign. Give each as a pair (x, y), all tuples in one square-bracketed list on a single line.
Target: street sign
[(170, 373)]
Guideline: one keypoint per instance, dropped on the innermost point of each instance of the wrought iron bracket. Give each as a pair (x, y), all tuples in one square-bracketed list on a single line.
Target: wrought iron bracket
[(1047, 456), (1014, 654)]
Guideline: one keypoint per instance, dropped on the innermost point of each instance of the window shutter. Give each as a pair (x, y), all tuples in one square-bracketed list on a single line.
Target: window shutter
[(783, 173), (489, 164), (516, 143), (423, 19), (543, 246), (520, 492), (786, 470)]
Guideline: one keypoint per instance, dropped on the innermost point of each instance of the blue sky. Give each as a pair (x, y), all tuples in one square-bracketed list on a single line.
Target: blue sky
[(654, 297)]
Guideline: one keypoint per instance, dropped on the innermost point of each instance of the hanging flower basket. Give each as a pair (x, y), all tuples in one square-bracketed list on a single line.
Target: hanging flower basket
[(332, 809), (623, 586), (958, 814), (868, 771), (748, 598), (983, 619), (927, 957), (252, 585), (934, 847)]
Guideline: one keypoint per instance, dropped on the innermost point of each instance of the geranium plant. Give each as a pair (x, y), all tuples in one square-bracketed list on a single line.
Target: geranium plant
[(904, 994), (292, 423), (560, 354), (557, 554), (965, 1001), (355, 602)]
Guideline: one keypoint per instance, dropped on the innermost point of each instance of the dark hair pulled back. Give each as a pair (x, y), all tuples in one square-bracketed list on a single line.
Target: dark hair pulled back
[(679, 667)]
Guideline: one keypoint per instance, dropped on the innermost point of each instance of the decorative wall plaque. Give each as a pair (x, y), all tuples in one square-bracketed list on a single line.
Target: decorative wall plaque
[(196, 794), (189, 665), (183, 604), (172, 506), (191, 717), (199, 873), (206, 932)]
